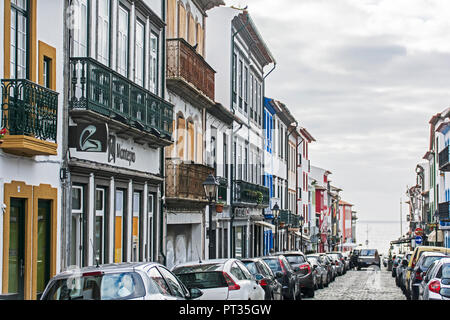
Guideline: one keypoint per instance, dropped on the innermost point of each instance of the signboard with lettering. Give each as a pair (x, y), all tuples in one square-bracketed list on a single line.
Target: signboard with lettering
[(91, 137)]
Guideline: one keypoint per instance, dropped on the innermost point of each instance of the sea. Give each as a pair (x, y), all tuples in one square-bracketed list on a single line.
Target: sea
[(379, 234)]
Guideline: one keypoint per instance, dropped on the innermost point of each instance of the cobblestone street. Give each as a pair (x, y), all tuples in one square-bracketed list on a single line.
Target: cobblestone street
[(366, 284)]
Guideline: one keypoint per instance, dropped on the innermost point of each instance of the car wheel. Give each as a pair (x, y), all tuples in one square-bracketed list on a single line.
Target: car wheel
[(359, 268), (321, 284)]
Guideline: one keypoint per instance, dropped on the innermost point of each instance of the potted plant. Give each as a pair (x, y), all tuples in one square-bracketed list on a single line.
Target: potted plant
[(219, 206), (2, 134), (259, 197)]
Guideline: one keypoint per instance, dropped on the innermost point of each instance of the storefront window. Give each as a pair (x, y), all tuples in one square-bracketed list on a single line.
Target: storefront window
[(136, 225), (99, 236), (76, 243), (43, 254), (118, 241)]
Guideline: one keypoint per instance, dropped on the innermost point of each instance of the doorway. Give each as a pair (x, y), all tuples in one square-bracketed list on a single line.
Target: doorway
[(17, 248)]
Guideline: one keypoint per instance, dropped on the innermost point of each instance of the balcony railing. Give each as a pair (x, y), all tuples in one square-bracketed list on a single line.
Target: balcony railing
[(29, 109), (184, 180), (183, 62), (249, 193), (222, 193), (444, 211), (98, 88), (444, 163)]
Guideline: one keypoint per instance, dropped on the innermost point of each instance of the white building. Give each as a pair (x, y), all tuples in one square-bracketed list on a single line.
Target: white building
[(239, 87), (31, 149)]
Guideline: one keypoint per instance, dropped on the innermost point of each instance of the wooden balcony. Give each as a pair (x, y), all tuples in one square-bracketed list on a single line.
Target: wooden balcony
[(29, 118), (188, 74), (184, 184)]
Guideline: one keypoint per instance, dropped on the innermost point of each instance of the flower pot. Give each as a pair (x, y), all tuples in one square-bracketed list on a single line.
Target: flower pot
[(219, 208)]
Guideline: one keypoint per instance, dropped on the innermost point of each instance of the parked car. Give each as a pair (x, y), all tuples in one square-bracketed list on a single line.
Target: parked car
[(285, 275), (265, 277), (367, 258), (337, 262), (220, 279), (436, 282), (385, 261), (320, 271), (303, 270), (347, 260), (126, 281), (326, 263), (418, 251), (401, 270), (333, 266), (420, 269), (396, 263)]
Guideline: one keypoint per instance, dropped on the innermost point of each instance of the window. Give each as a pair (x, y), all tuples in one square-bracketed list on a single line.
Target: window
[(156, 276), (122, 42), (237, 272), (240, 75), (239, 175), (99, 236), (46, 72), (77, 228), (19, 39), (136, 226), (234, 77), (140, 53), (80, 34), (150, 206), (246, 164), (225, 155), (154, 47), (119, 217), (244, 270), (177, 289), (245, 89), (103, 32)]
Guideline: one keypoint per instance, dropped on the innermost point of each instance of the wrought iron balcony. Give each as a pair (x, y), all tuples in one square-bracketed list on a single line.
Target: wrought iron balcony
[(444, 163), (184, 183), (246, 193), (444, 211), (97, 88), (188, 74), (30, 117), (222, 193)]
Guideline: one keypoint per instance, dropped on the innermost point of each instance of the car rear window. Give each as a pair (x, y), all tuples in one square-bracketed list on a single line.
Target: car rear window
[(203, 280), (274, 264), (111, 286), (367, 252), (312, 260), (429, 260), (198, 268), (295, 259), (251, 266)]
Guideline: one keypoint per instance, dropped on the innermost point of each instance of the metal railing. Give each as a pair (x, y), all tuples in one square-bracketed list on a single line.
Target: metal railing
[(29, 109), (98, 88), (184, 62), (185, 180), (245, 192)]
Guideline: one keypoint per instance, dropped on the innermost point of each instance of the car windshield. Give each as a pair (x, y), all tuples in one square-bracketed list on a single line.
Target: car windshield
[(203, 280), (112, 286), (295, 259), (274, 264), (367, 252), (198, 268), (429, 260)]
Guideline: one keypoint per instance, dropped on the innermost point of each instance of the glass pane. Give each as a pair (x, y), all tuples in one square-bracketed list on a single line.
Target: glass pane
[(99, 202), (76, 198), (43, 254), (15, 246), (118, 227), (103, 32), (98, 254), (122, 49)]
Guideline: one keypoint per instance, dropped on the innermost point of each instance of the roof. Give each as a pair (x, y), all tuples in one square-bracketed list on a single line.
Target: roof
[(304, 132), (343, 203), (257, 38), (206, 5)]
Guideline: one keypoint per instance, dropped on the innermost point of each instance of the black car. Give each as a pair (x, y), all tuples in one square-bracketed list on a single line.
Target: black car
[(285, 275), (326, 262), (265, 277), (303, 270)]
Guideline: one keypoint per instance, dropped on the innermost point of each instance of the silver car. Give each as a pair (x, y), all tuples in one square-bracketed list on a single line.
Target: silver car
[(436, 282), (125, 281)]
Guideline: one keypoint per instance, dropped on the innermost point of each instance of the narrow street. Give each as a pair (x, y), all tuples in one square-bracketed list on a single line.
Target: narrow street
[(366, 284)]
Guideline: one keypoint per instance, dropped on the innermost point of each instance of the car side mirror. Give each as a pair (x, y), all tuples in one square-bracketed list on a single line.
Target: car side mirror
[(195, 293), (278, 274)]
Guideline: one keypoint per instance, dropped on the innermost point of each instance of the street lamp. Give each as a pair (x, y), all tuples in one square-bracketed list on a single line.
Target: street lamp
[(302, 220), (210, 186), (275, 213)]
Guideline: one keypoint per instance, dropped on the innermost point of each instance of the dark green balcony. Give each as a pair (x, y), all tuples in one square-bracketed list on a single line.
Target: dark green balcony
[(249, 194), (222, 192), (97, 88), (289, 219), (30, 117)]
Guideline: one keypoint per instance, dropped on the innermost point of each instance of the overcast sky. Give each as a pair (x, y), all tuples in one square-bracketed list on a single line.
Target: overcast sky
[(364, 77)]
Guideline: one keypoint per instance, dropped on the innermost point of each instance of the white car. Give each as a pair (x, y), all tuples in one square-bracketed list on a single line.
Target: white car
[(436, 282), (220, 279)]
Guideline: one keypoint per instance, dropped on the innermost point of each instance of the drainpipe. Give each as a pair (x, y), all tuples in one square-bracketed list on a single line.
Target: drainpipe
[(162, 159)]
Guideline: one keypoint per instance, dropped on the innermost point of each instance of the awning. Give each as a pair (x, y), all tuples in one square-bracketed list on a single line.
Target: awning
[(265, 224), (432, 236)]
